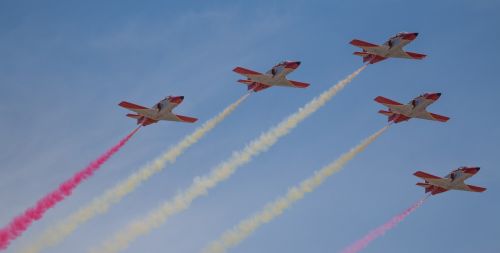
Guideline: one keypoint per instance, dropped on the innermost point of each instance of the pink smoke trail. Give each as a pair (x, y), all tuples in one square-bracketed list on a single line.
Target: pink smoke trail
[(22, 222), (374, 234)]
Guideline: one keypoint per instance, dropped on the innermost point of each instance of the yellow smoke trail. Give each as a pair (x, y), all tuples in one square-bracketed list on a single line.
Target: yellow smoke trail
[(101, 204), (200, 186), (246, 227)]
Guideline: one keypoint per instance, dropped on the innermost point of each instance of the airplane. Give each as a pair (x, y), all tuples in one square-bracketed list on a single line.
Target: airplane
[(453, 181), (160, 111), (416, 108), (276, 76), (393, 48)]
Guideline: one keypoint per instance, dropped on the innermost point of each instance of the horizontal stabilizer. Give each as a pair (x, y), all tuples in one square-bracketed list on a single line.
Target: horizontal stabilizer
[(386, 113), (437, 190), (247, 82), (425, 185), (134, 116), (363, 54), (416, 56), (146, 121), (255, 86)]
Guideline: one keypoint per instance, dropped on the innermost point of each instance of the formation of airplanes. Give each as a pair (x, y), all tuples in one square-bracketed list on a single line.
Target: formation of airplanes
[(372, 53)]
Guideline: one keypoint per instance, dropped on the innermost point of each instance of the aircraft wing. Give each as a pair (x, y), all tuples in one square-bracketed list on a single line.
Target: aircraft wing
[(246, 72), (364, 44), (295, 84), (407, 55), (431, 178), (148, 112), (391, 104), (470, 188), (432, 116), (179, 118)]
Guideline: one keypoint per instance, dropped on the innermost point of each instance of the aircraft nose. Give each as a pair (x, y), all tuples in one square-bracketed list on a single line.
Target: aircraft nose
[(472, 170), (410, 36), (434, 96), (293, 64), (176, 100)]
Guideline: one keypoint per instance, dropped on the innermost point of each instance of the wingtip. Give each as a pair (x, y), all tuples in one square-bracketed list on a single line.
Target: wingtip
[(187, 119)]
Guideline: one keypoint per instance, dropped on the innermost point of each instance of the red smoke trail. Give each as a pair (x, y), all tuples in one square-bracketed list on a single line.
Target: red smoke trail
[(20, 223), (374, 234)]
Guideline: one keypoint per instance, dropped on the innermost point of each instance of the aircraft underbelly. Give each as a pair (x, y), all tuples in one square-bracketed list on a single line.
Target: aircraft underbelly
[(441, 182), (377, 51), (459, 186), (148, 113), (400, 109), (169, 117), (269, 80)]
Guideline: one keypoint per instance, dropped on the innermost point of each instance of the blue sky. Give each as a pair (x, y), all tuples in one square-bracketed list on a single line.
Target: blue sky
[(65, 66)]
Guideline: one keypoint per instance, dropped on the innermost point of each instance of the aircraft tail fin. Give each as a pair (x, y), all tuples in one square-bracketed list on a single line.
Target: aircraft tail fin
[(254, 86), (428, 187), (393, 117), (367, 57), (140, 119)]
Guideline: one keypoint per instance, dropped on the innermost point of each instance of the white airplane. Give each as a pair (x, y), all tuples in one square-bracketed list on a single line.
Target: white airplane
[(276, 76), (373, 53), (452, 181), (416, 108), (161, 111)]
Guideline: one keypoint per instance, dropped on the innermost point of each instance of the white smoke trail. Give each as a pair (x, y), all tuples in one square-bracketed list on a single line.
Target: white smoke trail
[(200, 186), (246, 227), (101, 204)]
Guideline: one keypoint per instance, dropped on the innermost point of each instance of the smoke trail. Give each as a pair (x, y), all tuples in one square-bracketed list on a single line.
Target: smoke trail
[(22, 222), (374, 234), (200, 186), (102, 203), (246, 227)]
